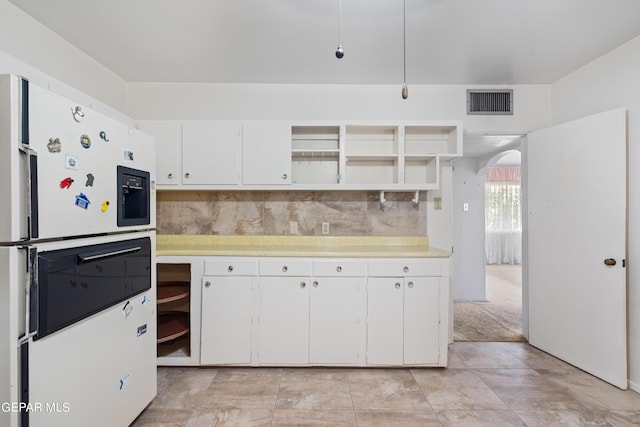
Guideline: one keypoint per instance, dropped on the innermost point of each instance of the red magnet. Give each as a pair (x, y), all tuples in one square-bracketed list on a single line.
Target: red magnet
[(66, 183)]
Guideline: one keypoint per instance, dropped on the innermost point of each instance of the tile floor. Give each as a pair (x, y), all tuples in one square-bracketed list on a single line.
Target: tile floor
[(486, 384)]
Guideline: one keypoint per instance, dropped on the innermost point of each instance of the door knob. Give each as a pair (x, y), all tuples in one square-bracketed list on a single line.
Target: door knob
[(610, 262)]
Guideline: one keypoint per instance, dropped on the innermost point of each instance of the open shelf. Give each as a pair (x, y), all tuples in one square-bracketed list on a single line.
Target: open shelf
[(173, 292), (432, 140), (372, 155), (315, 154), (172, 325), (364, 140)]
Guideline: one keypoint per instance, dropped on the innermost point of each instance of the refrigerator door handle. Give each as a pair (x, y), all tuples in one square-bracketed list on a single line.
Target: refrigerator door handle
[(31, 294), (32, 196)]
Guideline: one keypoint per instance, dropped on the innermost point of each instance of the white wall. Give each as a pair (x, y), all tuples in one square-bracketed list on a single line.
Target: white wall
[(53, 62), (468, 238), (607, 83), (149, 101)]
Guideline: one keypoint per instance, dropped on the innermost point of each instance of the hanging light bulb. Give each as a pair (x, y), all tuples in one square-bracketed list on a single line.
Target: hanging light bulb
[(339, 50), (405, 89)]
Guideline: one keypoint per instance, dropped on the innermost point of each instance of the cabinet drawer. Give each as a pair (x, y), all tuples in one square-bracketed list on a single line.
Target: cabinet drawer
[(231, 267), (336, 268), (285, 267), (400, 268)]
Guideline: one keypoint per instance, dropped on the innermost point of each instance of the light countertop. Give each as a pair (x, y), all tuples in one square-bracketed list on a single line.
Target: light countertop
[(299, 246)]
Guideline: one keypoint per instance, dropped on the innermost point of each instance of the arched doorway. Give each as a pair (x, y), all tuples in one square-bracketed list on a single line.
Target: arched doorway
[(497, 315)]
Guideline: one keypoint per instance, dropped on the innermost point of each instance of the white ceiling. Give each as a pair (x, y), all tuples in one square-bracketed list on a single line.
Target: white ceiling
[(293, 41)]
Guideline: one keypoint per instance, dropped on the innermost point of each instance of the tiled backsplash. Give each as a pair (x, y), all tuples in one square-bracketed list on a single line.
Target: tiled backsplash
[(349, 213)]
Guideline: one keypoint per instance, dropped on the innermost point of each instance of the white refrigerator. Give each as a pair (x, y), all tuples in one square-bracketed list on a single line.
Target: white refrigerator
[(77, 263)]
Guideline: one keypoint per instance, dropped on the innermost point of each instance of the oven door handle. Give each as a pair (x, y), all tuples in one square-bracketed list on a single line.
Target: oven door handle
[(92, 256)]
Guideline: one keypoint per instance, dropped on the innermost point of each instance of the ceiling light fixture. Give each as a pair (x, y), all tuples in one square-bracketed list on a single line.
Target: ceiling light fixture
[(339, 51), (405, 89)]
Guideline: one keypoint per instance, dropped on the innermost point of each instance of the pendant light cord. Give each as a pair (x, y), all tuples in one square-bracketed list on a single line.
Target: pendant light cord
[(339, 22), (404, 38)]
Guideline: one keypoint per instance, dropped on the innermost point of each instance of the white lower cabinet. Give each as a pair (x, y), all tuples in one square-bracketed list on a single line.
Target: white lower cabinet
[(403, 326), (299, 312), (283, 325), (385, 300), (335, 328), (226, 320), (422, 321)]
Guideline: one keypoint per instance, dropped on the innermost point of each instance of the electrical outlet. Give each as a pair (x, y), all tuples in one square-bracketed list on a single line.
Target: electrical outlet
[(325, 228), (293, 227)]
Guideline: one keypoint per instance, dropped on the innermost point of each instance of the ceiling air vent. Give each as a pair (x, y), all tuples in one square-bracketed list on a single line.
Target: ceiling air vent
[(489, 101)]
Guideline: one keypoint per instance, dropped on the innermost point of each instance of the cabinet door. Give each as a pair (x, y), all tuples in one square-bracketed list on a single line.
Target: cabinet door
[(283, 330), (334, 329), (421, 320), (384, 321), (266, 153), (226, 321), (167, 137), (210, 153)]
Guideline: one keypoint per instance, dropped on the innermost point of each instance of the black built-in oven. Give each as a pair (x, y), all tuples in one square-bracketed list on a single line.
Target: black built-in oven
[(76, 283)]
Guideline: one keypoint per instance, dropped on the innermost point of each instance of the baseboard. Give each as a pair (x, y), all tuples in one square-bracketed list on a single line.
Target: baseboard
[(634, 386), (469, 300)]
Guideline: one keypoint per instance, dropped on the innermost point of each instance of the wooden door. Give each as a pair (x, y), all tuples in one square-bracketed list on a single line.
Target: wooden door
[(283, 330), (421, 320), (211, 153), (334, 329), (168, 142), (226, 321), (266, 154), (576, 205), (385, 321)]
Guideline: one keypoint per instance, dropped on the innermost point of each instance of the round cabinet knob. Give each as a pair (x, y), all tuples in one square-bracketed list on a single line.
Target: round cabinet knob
[(398, 285), (187, 175), (284, 176), (405, 269), (207, 284), (284, 268), (303, 285), (410, 284), (339, 269), (230, 268), (170, 176), (315, 283), (610, 262)]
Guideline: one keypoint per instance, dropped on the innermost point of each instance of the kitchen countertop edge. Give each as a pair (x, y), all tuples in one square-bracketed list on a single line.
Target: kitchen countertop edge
[(298, 246)]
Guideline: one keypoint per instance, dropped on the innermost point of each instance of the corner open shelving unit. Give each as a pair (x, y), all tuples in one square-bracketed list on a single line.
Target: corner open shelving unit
[(178, 312)]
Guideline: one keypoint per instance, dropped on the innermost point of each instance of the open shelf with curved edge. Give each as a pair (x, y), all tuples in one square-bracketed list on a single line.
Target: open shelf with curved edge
[(172, 325), (173, 301)]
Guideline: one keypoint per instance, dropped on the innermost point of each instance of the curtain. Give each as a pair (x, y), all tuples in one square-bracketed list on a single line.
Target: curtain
[(503, 220)]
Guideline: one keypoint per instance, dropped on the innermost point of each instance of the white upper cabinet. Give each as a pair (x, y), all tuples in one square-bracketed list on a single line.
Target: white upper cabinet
[(266, 153), (168, 150), (395, 156), (211, 153)]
